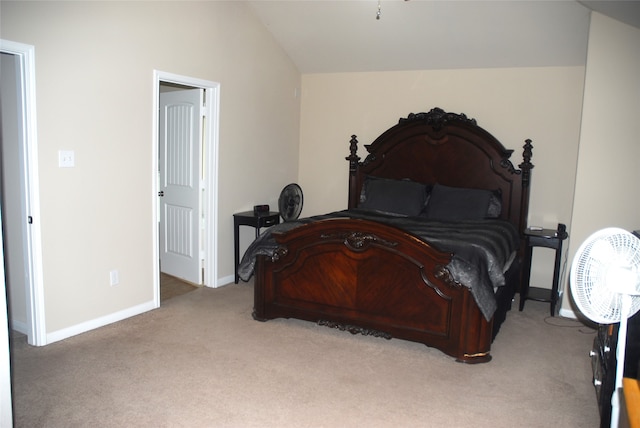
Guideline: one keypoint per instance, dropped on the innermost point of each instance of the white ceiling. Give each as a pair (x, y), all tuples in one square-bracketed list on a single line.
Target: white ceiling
[(324, 36)]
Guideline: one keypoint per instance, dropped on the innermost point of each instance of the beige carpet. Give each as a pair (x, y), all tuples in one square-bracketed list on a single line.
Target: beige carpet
[(202, 361), (171, 287)]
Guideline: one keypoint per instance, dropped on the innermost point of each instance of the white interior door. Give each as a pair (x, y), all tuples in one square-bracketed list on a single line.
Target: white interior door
[(180, 154), (18, 141)]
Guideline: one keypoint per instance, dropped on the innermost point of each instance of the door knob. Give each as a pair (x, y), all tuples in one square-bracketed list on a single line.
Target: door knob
[(161, 193)]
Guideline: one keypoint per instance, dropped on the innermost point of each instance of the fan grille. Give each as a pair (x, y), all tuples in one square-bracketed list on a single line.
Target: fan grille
[(290, 202), (606, 266)]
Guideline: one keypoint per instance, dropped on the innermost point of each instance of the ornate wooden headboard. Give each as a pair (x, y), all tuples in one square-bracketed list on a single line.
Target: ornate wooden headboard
[(449, 149)]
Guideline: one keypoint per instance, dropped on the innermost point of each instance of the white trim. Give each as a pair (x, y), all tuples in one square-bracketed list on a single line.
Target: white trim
[(6, 408), (568, 313), (212, 90), (35, 289), (154, 191), (211, 207), (225, 280), (19, 326), (99, 322), (563, 312)]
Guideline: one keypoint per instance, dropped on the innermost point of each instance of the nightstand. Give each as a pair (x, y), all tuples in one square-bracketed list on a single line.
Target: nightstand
[(250, 218), (546, 238)]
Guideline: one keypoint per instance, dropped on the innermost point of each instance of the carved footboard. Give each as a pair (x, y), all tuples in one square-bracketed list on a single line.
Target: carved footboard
[(370, 278)]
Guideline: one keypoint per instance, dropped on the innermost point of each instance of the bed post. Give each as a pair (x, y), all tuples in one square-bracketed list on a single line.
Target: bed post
[(353, 159), (526, 166)]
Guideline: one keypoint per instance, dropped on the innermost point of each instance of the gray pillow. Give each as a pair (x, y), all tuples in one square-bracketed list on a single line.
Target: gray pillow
[(400, 197), (457, 203)]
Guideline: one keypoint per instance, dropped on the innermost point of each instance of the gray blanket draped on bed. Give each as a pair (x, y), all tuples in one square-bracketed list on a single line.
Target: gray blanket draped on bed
[(483, 249)]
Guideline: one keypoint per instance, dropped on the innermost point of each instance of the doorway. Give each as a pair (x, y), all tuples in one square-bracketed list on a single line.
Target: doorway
[(21, 204), (206, 216)]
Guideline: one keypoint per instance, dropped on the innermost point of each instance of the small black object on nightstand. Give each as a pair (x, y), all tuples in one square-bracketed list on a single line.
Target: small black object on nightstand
[(255, 218), (547, 238)]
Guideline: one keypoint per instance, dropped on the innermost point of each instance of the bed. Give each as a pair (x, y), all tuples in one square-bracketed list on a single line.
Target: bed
[(429, 248)]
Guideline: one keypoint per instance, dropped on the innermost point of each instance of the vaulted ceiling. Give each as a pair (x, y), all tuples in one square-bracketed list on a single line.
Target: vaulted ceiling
[(324, 36)]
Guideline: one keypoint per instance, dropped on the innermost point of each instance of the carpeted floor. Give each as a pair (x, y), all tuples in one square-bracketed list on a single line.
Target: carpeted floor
[(202, 361), (171, 287)]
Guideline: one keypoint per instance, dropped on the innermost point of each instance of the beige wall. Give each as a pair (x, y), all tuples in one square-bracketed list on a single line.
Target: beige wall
[(543, 104), (94, 94), (606, 193)]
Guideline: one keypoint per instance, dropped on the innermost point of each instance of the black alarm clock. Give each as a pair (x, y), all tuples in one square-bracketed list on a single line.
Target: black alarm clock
[(260, 209)]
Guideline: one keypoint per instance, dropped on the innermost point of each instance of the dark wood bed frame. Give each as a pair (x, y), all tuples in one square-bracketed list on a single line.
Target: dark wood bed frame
[(369, 278)]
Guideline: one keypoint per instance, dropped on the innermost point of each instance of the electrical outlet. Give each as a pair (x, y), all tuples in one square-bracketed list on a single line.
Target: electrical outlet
[(66, 159), (114, 278)]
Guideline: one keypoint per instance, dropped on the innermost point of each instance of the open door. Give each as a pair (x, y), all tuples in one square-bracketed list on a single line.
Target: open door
[(20, 191), (179, 190)]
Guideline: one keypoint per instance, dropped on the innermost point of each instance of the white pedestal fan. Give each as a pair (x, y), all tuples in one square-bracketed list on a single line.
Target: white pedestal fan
[(605, 284)]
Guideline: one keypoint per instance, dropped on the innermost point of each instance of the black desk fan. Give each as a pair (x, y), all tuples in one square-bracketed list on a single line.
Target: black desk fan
[(290, 202)]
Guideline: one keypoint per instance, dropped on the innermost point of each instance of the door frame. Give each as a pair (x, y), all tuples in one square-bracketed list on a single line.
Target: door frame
[(210, 162), (34, 294), (6, 408)]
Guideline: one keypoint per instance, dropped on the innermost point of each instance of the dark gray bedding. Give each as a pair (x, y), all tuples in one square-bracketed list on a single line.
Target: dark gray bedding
[(483, 249)]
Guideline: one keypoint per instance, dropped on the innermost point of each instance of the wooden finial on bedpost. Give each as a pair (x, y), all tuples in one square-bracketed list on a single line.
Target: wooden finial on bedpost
[(526, 166), (353, 159)]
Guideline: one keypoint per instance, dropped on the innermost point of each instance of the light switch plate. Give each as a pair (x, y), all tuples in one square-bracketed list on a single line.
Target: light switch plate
[(66, 159), (114, 277)]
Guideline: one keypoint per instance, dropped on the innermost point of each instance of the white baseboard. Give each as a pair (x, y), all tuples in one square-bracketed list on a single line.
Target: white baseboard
[(107, 319), (19, 326), (224, 281), (99, 322), (568, 313)]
